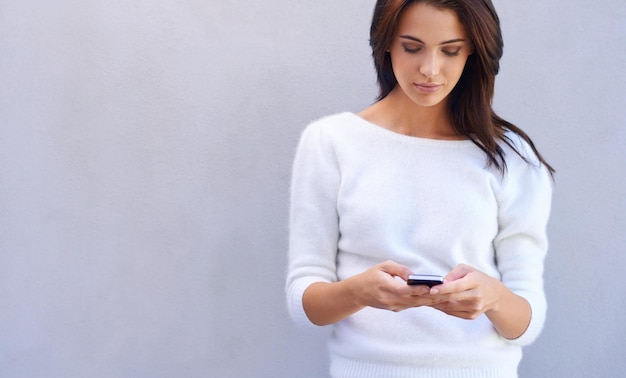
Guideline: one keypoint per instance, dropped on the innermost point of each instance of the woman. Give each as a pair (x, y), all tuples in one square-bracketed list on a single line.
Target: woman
[(426, 180)]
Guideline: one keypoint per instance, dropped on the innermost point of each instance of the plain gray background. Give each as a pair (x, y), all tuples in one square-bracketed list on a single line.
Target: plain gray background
[(145, 154)]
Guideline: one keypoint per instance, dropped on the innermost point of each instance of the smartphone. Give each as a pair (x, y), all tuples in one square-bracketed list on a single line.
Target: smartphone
[(424, 279)]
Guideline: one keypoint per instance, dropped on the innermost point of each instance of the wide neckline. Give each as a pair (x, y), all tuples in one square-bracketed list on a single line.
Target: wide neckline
[(383, 131)]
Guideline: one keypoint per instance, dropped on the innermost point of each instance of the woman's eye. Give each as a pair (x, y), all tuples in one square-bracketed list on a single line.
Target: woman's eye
[(452, 52), (410, 49)]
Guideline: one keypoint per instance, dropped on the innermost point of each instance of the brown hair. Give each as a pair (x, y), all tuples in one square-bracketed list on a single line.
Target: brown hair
[(470, 100)]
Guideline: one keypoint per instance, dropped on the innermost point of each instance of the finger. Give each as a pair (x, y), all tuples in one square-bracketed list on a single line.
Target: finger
[(419, 301), (451, 287), (418, 290), (457, 314), (452, 308), (453, 281), (458, 272)]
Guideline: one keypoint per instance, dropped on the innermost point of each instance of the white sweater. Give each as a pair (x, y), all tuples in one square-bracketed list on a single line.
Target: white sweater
[(362, 194)]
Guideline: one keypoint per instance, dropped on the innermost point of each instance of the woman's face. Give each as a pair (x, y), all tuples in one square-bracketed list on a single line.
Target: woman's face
[(428, 53)]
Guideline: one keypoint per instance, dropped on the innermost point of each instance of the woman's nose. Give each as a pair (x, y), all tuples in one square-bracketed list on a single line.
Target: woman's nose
[(429, 66)]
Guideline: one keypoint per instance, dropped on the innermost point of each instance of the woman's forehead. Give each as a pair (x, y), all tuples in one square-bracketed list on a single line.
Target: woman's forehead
[(430, 24)]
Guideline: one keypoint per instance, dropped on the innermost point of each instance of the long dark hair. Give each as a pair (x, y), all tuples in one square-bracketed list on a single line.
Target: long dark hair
[(470, 100)]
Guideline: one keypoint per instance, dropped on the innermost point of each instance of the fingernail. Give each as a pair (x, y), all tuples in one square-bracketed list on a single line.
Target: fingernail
[(434, 291)]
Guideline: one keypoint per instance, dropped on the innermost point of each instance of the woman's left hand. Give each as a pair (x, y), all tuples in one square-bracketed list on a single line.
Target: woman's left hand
[(468, 293)]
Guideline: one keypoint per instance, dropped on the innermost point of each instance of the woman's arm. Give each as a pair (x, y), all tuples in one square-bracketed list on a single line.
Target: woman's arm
[(468, 293), (511, 315), (515, 303), (314, 292)]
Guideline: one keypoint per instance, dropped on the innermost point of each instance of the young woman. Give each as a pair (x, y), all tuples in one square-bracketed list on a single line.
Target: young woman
[(426, 180)]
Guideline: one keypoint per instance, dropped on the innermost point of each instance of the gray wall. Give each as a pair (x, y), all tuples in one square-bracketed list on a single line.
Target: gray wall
[(145, 153)]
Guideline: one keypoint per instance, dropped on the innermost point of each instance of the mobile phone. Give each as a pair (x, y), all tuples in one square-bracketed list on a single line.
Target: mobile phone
[(429, 280)]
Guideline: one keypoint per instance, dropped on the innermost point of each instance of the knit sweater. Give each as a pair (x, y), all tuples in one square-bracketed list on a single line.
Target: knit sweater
[(362, 194)]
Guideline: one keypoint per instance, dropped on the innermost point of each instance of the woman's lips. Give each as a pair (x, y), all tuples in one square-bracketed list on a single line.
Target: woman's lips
[(427, 87)]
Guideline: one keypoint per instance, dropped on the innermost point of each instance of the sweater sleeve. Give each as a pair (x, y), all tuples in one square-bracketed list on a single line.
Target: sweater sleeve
[(521, 243), (314, 222)]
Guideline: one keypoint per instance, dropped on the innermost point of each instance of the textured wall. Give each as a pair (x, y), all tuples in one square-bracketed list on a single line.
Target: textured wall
[(145, 153), (562, 80)]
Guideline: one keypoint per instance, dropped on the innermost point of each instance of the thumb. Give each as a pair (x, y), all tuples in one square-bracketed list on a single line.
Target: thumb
[(395, 269)]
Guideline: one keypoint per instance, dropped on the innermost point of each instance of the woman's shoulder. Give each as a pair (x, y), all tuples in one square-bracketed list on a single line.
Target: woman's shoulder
[(333, 126), (517, 150), (331, 121), (524, 170)]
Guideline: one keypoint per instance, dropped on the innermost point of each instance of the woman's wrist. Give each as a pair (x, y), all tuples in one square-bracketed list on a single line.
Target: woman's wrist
[(510, 314)]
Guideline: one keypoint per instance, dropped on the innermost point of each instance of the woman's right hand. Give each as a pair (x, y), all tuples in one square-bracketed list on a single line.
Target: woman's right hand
[(382, 286)]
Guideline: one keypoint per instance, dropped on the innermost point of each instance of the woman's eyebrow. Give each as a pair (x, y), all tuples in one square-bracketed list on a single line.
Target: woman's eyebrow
[(422, 42)]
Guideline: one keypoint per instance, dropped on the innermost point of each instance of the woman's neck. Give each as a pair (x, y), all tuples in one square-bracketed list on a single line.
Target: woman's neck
[(398, 113)]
